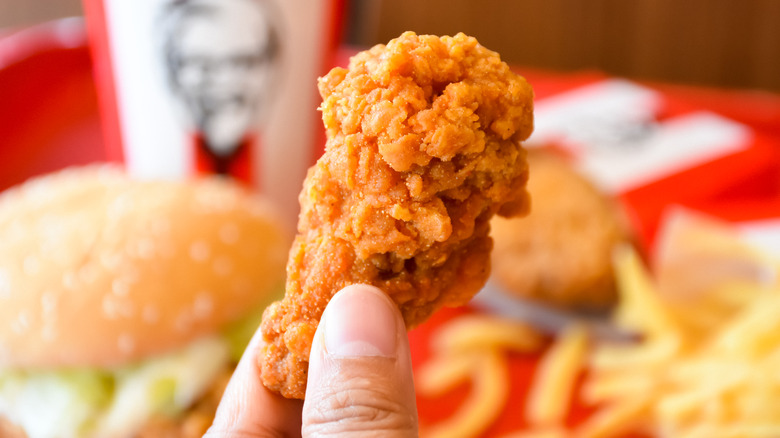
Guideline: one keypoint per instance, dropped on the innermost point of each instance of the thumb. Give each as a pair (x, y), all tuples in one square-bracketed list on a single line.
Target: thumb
[(360, 373)]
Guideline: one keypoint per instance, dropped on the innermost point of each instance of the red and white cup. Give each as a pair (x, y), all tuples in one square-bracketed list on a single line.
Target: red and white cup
[(214, 86)]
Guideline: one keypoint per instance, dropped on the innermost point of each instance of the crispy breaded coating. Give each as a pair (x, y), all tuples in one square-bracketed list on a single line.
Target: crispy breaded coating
[(424, 147)]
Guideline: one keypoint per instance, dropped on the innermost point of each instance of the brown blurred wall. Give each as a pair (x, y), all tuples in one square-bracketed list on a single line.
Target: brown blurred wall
[(14, 13), (730, 43)]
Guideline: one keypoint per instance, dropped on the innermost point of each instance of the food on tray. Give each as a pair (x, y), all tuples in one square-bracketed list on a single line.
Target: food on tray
[(552, 390), (424, 147), (540, 433), (488, 374), (478, 332), (124, 303), (697, 364), (691, 375), (560, 253), (473, 348)]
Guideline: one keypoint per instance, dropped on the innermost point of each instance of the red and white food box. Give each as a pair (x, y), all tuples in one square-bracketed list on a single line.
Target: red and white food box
[(655, 146)]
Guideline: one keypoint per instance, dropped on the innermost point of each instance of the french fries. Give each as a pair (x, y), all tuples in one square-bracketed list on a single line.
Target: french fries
[(480, 332), (443, 373), (553, 386), (615, 419), (484, 404), (641, 309), (690, 376), (472, 348), (705, 362), (556, 432)]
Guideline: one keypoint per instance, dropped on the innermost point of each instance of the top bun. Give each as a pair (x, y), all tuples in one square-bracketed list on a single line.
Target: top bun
[(97, 269)]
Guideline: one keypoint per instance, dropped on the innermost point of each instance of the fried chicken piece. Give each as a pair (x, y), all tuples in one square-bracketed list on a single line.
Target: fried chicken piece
[(424, 147), (561, 253)]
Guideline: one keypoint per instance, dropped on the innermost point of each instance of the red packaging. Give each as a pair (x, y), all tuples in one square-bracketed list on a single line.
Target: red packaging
[(657, 145)]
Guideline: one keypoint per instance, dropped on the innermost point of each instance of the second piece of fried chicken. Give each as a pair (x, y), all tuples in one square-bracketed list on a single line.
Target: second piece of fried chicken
[(424, 147), (561, 253)]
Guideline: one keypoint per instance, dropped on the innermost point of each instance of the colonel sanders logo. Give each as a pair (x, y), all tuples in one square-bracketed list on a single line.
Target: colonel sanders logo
[(222, 62)]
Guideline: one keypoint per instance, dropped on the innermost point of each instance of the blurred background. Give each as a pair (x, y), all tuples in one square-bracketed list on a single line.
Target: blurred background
[(724, 43), (15, 13), (673, 157), (716, 42)]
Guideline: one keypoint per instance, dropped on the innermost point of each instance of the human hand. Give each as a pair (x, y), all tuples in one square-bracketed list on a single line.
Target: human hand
[(359, 384)]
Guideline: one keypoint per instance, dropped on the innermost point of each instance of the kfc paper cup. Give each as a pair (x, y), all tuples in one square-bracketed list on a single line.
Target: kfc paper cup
[(214, 86)]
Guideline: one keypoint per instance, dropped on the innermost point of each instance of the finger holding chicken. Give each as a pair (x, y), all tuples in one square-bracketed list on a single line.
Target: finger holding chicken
[(424, 147)]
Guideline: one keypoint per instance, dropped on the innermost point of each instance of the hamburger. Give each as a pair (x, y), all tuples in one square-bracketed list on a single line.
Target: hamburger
[(124, 303)]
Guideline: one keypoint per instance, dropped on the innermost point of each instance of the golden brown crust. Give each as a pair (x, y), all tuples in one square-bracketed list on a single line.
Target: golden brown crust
[(97, 269), (424, 146), (560, 254)]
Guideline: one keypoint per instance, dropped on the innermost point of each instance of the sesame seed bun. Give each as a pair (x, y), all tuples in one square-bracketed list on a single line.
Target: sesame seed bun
[(97, 269)]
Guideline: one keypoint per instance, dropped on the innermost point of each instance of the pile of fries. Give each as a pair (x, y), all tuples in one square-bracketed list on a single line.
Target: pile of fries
[(708, 363), (703, 360), (473, 348)]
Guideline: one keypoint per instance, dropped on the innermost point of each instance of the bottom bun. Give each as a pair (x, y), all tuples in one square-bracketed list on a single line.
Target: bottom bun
[(195, 421), (192, 423)]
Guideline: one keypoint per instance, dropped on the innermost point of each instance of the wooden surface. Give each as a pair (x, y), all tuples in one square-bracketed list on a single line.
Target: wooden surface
[(730, 43), (14, 13)]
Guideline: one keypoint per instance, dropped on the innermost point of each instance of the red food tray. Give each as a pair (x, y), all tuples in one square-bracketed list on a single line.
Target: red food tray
[(48, 113)]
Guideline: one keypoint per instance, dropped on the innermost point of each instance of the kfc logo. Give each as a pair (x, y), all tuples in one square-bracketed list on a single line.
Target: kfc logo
[(221, 60)]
